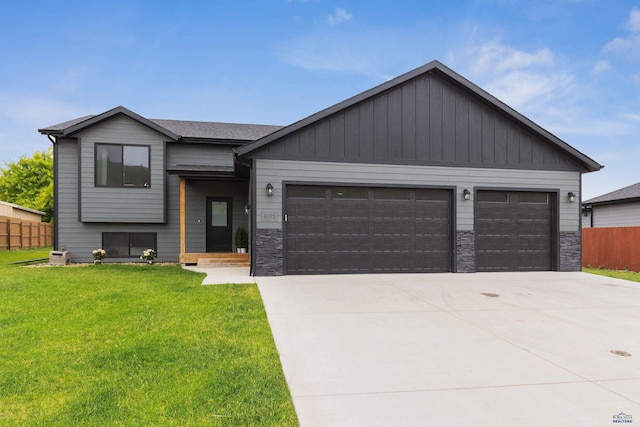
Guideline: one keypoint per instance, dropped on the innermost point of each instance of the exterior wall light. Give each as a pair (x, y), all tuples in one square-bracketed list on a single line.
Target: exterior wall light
[(247, 209), (269, 189), (466, 194), (571, 196)]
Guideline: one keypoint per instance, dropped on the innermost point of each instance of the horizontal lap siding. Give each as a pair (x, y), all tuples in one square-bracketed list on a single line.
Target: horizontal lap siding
[(617, 215), (130, 205), (179, 154), (276, 171), (82, 238)]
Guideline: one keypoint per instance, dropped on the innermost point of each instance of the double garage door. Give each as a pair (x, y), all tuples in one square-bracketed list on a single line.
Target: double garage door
[(335, 229), (364, 230)]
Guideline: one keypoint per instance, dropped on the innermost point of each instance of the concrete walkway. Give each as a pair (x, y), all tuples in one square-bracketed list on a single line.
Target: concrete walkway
[(223, 275), (505, 349)]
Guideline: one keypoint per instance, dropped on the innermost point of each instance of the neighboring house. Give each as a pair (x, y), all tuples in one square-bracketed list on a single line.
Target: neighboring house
[(11, 210), (424, 173), (619, 208)]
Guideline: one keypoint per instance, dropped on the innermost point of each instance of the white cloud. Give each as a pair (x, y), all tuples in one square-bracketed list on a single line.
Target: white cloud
[(600, 67), (340, 16), (524, 88), (634, 117), (517, 77), (634, 21), (499, 58), (628, 46)]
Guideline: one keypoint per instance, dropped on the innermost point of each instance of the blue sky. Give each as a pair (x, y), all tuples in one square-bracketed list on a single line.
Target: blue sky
[(572, 66)]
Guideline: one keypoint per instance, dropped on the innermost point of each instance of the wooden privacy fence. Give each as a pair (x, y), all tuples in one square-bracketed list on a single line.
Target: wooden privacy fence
[(18, 233), (615, 248)]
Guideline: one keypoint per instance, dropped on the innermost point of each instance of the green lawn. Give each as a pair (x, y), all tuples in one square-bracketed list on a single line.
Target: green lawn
[(24, 254), (618, 274), (135, 345)]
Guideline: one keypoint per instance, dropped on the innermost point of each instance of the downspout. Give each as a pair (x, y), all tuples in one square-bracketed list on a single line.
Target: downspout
[(55, 192)]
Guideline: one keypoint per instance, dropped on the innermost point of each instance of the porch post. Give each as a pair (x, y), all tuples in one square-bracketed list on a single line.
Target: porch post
[(183, 216)]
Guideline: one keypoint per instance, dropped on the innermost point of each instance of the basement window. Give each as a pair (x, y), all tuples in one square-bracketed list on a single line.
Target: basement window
[(127, 245)]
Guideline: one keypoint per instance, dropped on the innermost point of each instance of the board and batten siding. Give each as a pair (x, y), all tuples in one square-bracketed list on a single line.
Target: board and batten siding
[(180, 154), (125, 205), (269, 214), (616, 215), (427, 120)]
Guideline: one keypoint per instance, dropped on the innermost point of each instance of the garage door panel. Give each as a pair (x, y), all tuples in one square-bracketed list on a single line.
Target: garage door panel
[(369, 230), (391, 262), (513, 231)]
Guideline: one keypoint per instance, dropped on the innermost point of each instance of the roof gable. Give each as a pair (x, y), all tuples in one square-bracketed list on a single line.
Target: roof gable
[(73, 126), (173, 129), (430, 115)]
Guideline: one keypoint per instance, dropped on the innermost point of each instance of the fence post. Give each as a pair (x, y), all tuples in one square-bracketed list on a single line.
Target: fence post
[(5, 235)]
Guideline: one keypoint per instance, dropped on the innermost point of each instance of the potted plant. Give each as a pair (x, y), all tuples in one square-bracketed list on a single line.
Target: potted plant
[(98, 255), (242, 240), (149, 255)]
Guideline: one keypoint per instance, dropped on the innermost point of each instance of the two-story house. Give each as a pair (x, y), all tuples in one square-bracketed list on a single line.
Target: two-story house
[(424, 173)]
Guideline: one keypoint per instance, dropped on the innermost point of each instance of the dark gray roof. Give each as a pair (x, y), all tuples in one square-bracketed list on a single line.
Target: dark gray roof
[(216, 130), (62, 126), (632, 192), (433, 66), (174, 129)]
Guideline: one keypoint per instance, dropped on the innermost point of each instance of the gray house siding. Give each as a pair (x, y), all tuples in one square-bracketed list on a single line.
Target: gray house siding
[(181, 155), (269, 214), (80, 239), (197, 193), (126, 205), (428, 121), (615, 215)]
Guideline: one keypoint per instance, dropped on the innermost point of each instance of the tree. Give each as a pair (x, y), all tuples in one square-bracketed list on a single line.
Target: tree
[(29, 182)]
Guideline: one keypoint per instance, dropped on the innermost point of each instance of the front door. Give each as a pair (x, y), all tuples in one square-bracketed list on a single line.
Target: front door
[(219, 230)]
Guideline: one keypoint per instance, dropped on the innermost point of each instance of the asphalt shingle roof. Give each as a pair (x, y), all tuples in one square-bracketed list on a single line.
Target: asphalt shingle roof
[(216, 130), (630, 192), (183, 128)]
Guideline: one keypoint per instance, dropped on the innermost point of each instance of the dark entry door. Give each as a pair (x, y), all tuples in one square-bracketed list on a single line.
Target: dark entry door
[(219, 229)]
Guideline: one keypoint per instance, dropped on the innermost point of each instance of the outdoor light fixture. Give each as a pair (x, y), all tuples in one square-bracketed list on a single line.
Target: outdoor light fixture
[(572, 196), (247, 209), (269, 189), (466, 194)]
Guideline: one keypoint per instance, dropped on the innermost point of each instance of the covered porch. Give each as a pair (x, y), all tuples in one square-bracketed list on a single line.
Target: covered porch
[(213, 207)]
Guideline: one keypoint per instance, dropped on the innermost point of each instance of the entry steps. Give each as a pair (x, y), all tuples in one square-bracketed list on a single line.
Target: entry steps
[(223, 260)]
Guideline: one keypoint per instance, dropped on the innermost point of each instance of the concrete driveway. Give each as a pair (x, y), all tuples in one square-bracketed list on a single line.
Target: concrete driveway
[(485, 349)]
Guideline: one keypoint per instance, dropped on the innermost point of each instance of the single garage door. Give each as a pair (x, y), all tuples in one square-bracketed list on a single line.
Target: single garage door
[(514, 231), (367, 230)]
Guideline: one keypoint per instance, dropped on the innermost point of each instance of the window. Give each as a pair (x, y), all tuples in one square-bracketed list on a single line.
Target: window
[(537, 198), (126, 245), (305, 192), (493, 196), (354, 193), (392, 193), (122, 165)]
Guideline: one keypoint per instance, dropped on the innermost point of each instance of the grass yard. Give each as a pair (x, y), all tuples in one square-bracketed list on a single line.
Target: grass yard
[(135, 345), (7, 257), (618, 274)]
